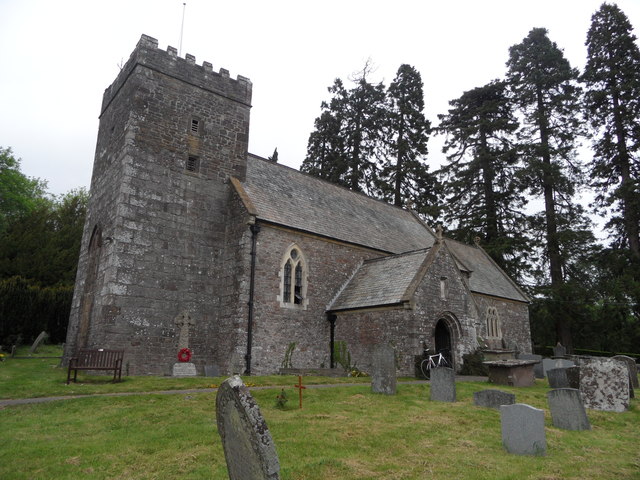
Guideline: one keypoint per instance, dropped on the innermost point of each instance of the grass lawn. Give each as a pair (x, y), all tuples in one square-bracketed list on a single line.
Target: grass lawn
[(344, 432)]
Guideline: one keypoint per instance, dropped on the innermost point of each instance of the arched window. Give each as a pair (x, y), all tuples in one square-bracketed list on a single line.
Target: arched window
[(293, 282), (493, 323)]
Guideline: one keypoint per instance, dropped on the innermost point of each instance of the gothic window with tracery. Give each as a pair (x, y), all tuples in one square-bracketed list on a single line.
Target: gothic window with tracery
[(493, 323), (293, 279)]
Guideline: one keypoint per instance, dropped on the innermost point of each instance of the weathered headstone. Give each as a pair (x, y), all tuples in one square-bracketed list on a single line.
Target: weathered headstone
[(573, 376), (604, 383), (537, 368), (383, 374), (41, 338), (493, 398), (549, 363), (523, 429), (248, 447), (443, 384), (632, 366), (567, 409), (559, 350), (558, 378)]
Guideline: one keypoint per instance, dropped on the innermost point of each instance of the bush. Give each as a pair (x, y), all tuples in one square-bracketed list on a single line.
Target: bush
[(472, 364)]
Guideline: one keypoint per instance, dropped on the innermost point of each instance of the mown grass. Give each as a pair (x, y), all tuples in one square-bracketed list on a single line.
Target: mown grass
[(343, 432)]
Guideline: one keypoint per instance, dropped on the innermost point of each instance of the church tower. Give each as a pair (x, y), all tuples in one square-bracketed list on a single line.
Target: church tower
[(171, 134)]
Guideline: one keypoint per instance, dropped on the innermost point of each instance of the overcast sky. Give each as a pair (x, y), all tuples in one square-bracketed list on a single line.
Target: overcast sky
[(57, 58)]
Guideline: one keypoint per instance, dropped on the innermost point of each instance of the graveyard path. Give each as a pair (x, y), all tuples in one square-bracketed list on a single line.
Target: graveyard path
[(28, 401)]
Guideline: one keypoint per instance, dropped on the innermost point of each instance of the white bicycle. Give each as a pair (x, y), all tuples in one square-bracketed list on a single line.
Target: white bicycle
[(433, 361)]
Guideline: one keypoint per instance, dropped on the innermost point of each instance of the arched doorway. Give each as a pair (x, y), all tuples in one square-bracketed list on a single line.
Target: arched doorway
[(443, 340)]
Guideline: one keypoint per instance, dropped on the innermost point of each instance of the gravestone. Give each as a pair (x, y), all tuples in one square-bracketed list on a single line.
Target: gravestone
[(41, 338), (632, 366), (537, 368), (573, 377), (184, 321), (443, 384), (567, 409), (604, 384), (493, 398), (559, 350), (523, 429), (248, 447), (549, 363), (383, 374), (558, 378)]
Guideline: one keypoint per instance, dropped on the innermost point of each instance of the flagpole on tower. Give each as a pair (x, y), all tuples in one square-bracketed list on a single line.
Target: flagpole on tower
[(184, 7)]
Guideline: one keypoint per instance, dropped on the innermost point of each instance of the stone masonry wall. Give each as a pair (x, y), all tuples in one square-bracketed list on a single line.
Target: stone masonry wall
[(165, 224), (514, 321), (406, 329)]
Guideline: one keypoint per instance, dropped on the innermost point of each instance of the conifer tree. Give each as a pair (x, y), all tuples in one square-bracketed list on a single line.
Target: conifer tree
[(404, 175), (544, 88), (612, 82), (484, 196)]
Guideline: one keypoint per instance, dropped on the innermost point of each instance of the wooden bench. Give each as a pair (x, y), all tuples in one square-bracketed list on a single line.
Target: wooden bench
[(100, 359)]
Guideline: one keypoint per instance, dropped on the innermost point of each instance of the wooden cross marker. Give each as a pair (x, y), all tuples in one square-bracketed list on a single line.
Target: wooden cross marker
[(300, 387)]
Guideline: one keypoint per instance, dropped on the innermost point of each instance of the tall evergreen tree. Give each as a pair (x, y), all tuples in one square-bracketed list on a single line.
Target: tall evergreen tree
[(404, 175), (544, 87), (484, 196), (612, 79), (348, 135)]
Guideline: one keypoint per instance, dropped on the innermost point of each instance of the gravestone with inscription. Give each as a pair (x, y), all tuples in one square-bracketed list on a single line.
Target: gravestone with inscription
[(567, 409), (247, 443), (383, 374), (443, 384), (604, 384), (493, 398), (523, 429)]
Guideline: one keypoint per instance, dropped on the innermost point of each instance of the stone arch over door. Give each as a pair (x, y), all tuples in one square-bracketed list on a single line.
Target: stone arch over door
[(88, 292), (446, 336)]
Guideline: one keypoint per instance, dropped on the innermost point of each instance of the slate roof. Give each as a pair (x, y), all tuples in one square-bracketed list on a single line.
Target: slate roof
[(285, 196), (381, 281), (486, 277)]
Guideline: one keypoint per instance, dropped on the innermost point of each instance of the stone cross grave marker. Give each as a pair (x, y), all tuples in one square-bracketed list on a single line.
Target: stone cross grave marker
[(567, 409), (41, 338), (558, 378), (604, 383), (248, 447), (493, 398), (183, 321), (633, 368), (443, 384), (523, 429), (383, 375)]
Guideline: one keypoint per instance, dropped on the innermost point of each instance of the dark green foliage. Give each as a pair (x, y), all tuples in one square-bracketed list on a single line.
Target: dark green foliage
[(612, 104), (404, 176), (481, 182), (281, 400)]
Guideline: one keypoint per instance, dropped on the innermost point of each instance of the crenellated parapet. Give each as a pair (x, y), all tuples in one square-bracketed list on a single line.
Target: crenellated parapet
[(148, 55)]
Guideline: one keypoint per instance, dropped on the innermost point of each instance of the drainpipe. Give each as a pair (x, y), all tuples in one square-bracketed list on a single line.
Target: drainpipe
[(254, 241), (332, 334)]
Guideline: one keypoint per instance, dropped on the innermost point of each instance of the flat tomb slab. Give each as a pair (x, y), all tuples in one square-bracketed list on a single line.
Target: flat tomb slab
[(515, 373)]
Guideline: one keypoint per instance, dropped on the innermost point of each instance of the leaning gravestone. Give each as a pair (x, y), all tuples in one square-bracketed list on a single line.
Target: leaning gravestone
[(558, 378), (248, 447), (383, 375), (493, 398), (604, 384), (567, 409), (523, 429), (41, 338), (537, 368), (443, 384), (633, 368)]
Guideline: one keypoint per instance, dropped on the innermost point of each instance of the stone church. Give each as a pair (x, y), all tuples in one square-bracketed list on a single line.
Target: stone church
[(184, 223)]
